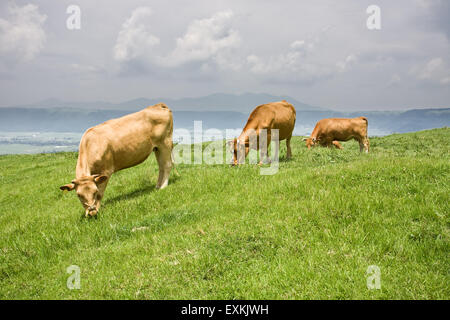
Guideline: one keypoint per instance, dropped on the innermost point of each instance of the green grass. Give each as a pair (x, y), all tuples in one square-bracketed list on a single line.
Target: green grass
[(220, 232)]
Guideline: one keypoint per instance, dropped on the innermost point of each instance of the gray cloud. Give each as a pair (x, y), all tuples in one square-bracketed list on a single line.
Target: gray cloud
[(437, 15), (22, 35), (319, 52)]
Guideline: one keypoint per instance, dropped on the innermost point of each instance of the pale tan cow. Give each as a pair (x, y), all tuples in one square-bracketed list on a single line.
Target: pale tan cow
[(119, 144), (279, 115), (328, 132)]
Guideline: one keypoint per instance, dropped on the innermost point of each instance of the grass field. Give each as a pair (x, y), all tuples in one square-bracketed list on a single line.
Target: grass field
[(220, 232)]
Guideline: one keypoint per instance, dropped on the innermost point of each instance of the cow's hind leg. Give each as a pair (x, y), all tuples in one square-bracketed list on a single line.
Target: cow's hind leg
[(163, 155), (288, 146), (366, 144), (363, 144)]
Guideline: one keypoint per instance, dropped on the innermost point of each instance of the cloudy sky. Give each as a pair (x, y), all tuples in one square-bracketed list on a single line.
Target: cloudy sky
[(319, 52)]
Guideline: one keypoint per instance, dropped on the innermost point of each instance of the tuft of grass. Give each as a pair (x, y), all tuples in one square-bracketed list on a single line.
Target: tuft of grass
[(220, 232)]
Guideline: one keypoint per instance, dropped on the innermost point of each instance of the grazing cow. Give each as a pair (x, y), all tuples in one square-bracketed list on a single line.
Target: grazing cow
[(119, 144), (328, 132), (276, 115)]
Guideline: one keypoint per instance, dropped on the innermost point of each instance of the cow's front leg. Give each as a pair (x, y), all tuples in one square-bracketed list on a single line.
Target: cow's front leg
[(337, 144), (265, 159), (264, 150), (98, 200)]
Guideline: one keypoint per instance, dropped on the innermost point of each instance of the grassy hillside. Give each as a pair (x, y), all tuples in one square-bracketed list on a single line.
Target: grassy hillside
[(308, 232)]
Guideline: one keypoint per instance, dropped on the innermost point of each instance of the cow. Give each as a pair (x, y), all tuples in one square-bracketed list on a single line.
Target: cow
[(279, 115), (328, 132), (119, 144)]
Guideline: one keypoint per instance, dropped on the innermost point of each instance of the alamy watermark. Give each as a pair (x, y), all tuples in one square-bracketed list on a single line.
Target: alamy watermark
[(373, 279), (374, 20), (73, 22), (74, 280)]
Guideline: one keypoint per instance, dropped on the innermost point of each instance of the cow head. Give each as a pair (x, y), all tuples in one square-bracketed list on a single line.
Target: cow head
[(87, 191), (235, 145), (310, 142)]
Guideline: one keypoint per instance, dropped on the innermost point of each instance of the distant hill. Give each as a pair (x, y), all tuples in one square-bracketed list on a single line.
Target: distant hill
[(214, 102), (78, 120)]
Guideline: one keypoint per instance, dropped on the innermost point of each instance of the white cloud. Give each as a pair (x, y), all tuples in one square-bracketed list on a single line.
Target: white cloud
[(298, 64), (395, 80), (22, 35), (303, 46), (206, 39), (435, 70), (281, 63), (85, 69), (347, 63), (135, 39), (445, 80)]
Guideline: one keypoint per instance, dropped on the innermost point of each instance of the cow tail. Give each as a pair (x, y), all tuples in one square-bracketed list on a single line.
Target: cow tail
[(367, 126)]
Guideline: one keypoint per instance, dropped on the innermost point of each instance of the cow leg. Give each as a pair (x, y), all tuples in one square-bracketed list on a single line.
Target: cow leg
[(263, 155), (361, 144), (366, 144), (264, 151), (337, 145), (327, 143), (288, 146), (164, 157), (101, 191)]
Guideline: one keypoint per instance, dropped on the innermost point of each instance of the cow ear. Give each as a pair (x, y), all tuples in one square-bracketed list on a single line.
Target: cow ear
[(67, 187), (100, 179), (304, 139)]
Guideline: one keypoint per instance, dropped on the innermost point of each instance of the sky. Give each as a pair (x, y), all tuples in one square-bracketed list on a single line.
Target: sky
[(319, 52)]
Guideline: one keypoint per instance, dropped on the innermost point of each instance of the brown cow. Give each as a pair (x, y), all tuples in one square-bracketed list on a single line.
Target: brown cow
[(276, 115), (328, 132), (119, 144)]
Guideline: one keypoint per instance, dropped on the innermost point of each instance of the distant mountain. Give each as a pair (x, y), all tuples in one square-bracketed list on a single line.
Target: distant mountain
[(223, 102), (78, 120), (56, 103), (214, 102)]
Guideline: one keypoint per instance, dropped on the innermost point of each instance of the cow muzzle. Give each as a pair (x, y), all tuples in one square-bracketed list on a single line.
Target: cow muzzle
[(91, 211)]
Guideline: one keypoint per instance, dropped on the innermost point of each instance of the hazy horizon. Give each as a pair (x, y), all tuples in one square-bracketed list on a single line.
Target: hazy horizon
[(54, 100)]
